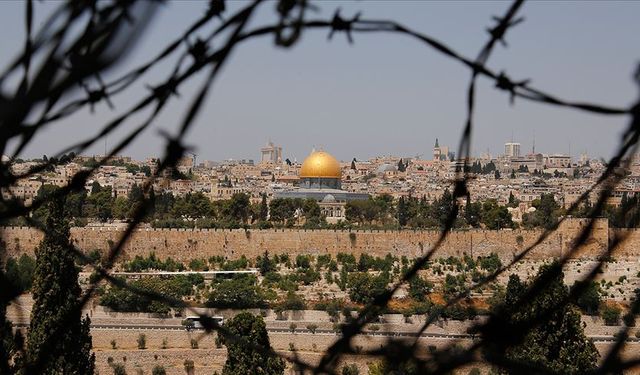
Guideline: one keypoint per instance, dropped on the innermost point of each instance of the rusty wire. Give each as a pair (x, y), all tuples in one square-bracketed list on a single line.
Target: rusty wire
[(41, 95)]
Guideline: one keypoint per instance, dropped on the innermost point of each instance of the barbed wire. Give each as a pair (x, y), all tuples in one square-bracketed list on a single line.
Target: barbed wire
[(84, 59)]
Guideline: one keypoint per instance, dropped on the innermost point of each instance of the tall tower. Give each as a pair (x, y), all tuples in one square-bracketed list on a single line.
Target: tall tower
[(437, 152)]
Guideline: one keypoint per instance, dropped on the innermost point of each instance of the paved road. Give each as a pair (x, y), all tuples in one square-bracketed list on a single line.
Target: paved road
[(451, 336)]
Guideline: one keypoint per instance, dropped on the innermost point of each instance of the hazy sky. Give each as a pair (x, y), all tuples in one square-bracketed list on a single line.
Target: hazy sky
[(386, 94)]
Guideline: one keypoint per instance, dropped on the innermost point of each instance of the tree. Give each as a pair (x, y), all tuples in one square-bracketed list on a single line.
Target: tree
[(544, 331), (158, 370), (364, 287), (350, 369), (387, 367), (100, 202), (313, 214), (242, 357), (58, 339), (240, 293), (264, 209), (312, 328), (136, 200), (9, 346), (189, 366), (513, 202), (403, 214), (146, 170), (385, 207), (19, 274), (490, 262), (401, 166), (125, 299), (611, 314), (362, 211), (239, 208), (490, 167), (443, 208), (118, 369), (291, 302), (142, 341), (473, 213), (265, 264), (546, 214), (282, 209), (121, 207), (589, 299), (419, 288), (495, 216)]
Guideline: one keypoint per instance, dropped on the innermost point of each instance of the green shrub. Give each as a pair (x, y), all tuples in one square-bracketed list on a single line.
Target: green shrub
[(20, 273), (589, 300), (241, 292), (610, 314), (142, 341), (312, 328), (189, 366), (118, 369), (350, 369)]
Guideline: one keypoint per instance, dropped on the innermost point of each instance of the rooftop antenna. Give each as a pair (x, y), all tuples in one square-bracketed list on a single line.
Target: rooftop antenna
[(533, 150)]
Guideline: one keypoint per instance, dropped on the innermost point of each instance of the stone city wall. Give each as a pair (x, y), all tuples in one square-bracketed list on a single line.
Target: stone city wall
[(186, 244)]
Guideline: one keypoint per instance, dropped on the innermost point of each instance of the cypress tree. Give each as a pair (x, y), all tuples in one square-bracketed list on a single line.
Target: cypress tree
[(7, 344), (401, 166), (243, 359), (403, 212), (58, 340), (556, 343), (264, 208)]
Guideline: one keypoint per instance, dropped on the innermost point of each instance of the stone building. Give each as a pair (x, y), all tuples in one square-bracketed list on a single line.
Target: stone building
[(271, 154), (320, 179)]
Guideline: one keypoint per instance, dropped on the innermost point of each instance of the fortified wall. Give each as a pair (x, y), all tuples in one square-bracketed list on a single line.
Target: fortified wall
[(186, 244)]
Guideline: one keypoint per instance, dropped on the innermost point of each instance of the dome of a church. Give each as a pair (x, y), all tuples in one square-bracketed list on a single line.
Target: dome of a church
[(320, 164)]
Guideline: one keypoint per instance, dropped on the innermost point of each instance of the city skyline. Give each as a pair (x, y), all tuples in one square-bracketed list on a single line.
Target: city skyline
[(319, 186), (330, 94), (264, 152)]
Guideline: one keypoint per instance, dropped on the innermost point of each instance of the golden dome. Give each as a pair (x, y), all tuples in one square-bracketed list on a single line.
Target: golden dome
[(320, 164)]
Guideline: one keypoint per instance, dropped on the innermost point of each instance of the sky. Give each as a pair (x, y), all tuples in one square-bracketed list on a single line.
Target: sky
[(385, 94)]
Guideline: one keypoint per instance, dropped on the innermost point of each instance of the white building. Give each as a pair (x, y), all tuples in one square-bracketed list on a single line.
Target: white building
[(512, 149)]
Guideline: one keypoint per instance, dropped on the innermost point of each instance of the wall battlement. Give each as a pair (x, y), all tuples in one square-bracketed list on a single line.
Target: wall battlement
[(186, 244)]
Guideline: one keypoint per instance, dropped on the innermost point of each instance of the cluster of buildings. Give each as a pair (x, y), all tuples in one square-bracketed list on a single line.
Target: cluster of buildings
[(333, 183)]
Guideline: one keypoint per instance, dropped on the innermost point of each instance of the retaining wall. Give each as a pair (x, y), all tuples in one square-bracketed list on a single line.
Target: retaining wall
[(186, 244)]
